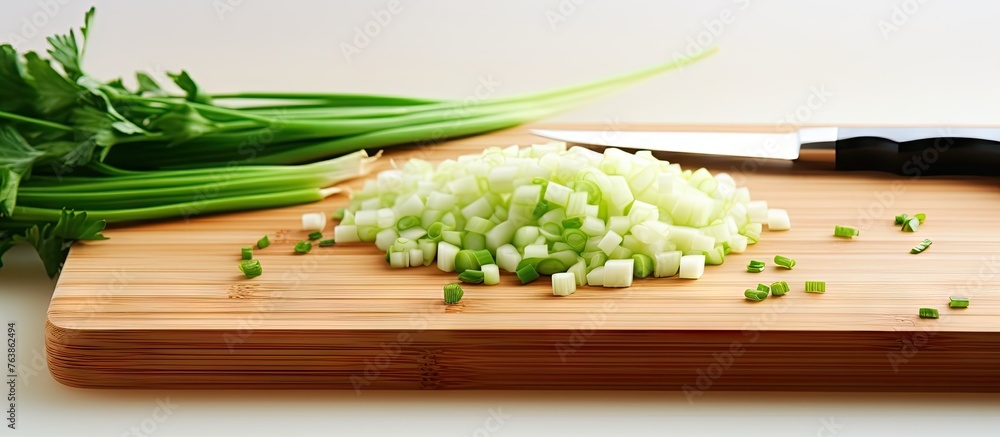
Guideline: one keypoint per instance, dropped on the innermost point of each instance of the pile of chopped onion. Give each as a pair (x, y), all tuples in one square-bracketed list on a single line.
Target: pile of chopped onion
[(543, 210)]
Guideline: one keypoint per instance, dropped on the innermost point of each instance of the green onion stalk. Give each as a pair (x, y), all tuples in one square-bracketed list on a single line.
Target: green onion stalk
[(77, 152)]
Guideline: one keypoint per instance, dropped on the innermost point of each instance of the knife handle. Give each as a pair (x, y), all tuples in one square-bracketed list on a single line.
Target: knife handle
[(922, 157)]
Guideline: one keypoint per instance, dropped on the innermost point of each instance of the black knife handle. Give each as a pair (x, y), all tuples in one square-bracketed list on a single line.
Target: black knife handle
[(925, 157)]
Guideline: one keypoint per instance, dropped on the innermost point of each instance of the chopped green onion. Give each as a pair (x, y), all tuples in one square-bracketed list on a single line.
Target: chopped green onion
[(453, 293), (303, 247), (618, 272), (575, 238), (263, 242), (779, 288), (642, 266), (845, 232), (667, 263), (472, 276), (541, 208), (435, 229), (958, 302), (592, 190), (527, 274), (755, 295), (572, 223), (920, 217), (479, 225), (246, 252), (755, 266), (777, 220), (447, 254), (911, 225), (785, 262), (483, 257), (692, 266), (508, 257), (922, 246), (339, 214), (928, 313), (815, 287), (579, 270), (407, 222), (314, 221), (563, 284), (595, 278), (536, 250), (556, 211), (428, 250), (453, 237), (315, 235), (466, 260), (528, 262), (327, 243), (900, 219), (550, 266), (250, 268), (491, 274), (763, 287)]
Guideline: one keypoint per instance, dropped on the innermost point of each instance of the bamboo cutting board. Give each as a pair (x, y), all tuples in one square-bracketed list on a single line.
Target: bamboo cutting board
[(163, 305)]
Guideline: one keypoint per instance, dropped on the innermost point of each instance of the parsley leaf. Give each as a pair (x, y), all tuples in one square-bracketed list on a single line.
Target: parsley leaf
[(16, 159), (147, 84), (55, 92), (51, 250), (73, 225), (183, 123), (184, 81), (15, 92), (67, 52), (52, 240)]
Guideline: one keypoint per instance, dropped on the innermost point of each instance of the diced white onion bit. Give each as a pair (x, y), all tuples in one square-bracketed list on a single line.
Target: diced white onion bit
[(618, 273), (313, 221), (692, 266), (777, 220), (491, 274), (563, 284), (589, 211)]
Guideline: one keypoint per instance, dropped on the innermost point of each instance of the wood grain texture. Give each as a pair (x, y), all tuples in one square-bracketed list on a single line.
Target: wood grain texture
[(163, 305)]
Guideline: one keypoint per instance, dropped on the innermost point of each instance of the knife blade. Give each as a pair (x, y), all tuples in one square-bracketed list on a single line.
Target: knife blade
[(914, 151)]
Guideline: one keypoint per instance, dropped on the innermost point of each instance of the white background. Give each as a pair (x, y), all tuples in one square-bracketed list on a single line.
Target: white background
[(929, 62)]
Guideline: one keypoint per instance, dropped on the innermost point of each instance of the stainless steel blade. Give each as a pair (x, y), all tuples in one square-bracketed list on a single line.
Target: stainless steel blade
[(750, 145)]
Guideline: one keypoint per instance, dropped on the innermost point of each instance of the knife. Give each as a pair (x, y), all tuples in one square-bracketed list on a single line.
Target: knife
[(909, 151)]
